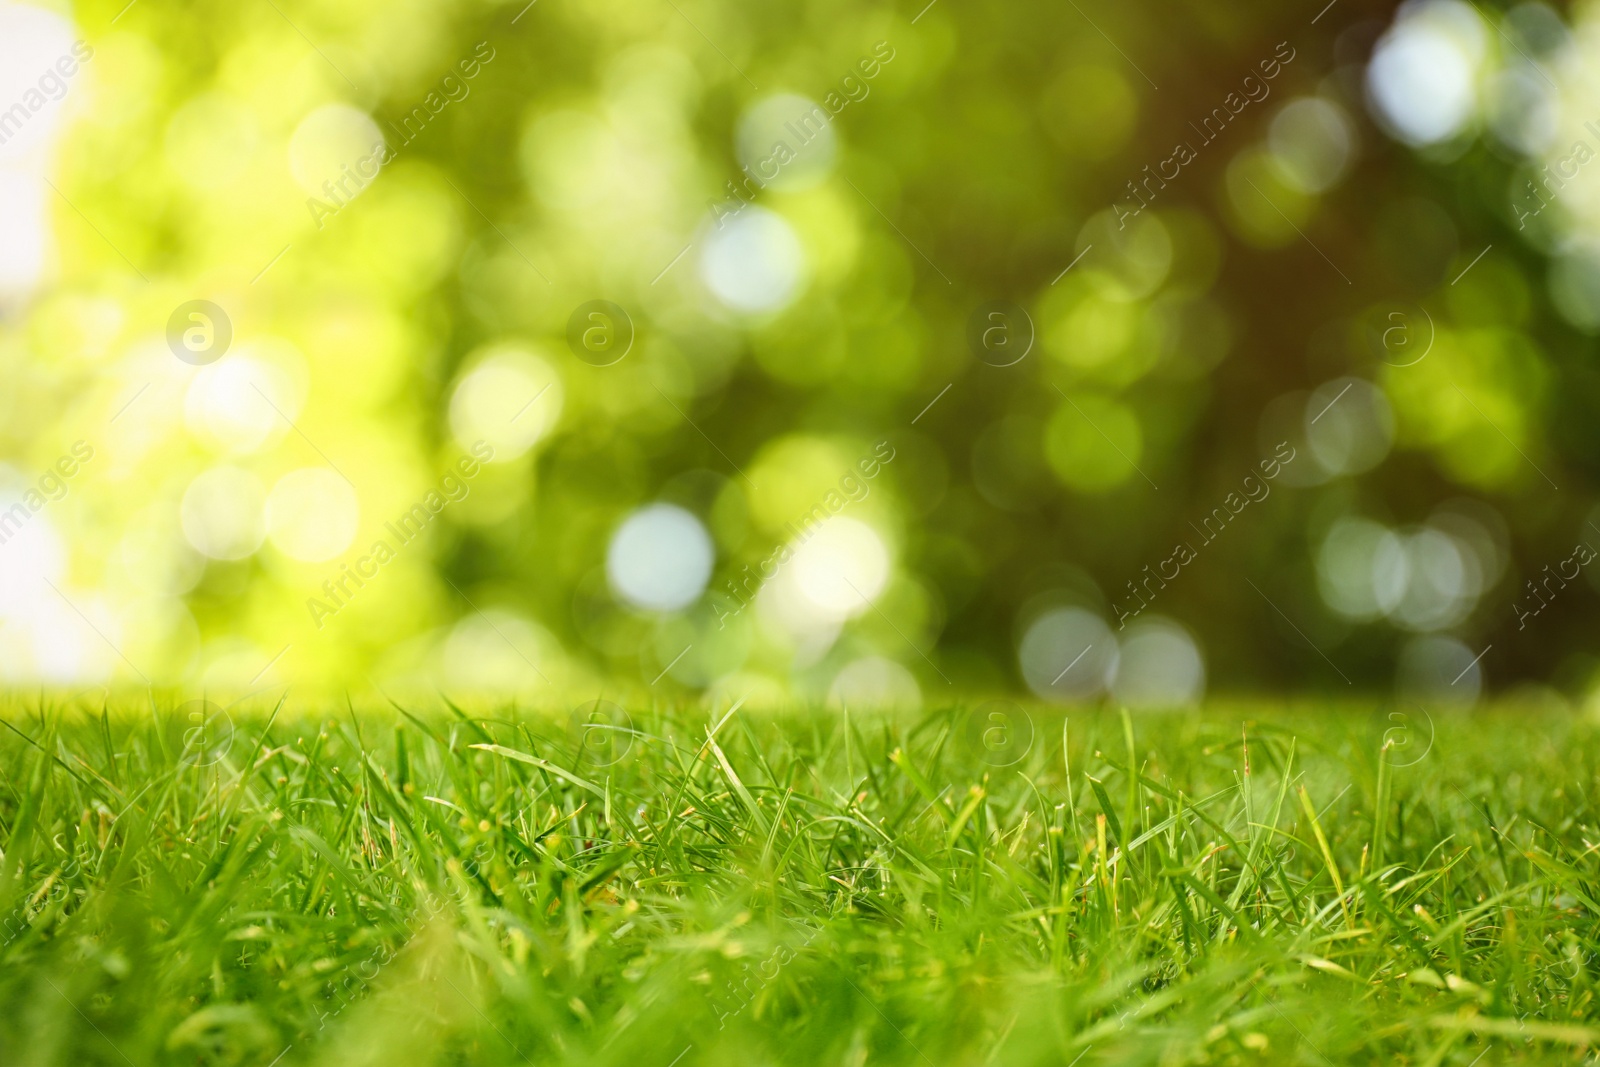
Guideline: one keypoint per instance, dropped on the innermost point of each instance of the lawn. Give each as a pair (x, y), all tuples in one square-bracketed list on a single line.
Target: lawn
[(681, 886)]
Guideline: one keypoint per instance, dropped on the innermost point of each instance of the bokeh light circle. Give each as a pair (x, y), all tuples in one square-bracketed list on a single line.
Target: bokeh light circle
[(1312, 142), (1067, 655), (1349, 426), (222, 515), (660, 558), (335, 146), (1159, 665), (1439, 671), (510, 399), (840, 568), (1442, 582), (875, 682), (1094, 443), (242, 404), (312, 514), (753, 262), (1421, 80), (1575, 283), (786, 142), (1361, 569), (1523, 112), (1126, 259)]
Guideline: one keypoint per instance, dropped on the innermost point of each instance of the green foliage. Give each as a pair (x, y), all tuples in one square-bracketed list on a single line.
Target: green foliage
[(439, 888), (537, 158)]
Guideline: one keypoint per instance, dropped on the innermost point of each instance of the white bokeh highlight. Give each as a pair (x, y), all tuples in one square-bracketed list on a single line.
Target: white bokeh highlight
[(222, 513), (1422, 80), (510, 398), (1160, 666), (786, 142), (328, 147), (753, 262), (660, 558), (32, 42), (1068, 655), (875, 682), (312, 514), (840, 569), (244, 403), (1349, 426), (1313, 142)]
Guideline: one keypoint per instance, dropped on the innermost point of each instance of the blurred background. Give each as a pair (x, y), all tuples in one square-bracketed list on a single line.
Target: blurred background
[(830, 352)]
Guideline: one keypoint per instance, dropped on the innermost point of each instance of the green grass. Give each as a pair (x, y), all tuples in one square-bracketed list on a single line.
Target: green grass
[(374, 887)]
